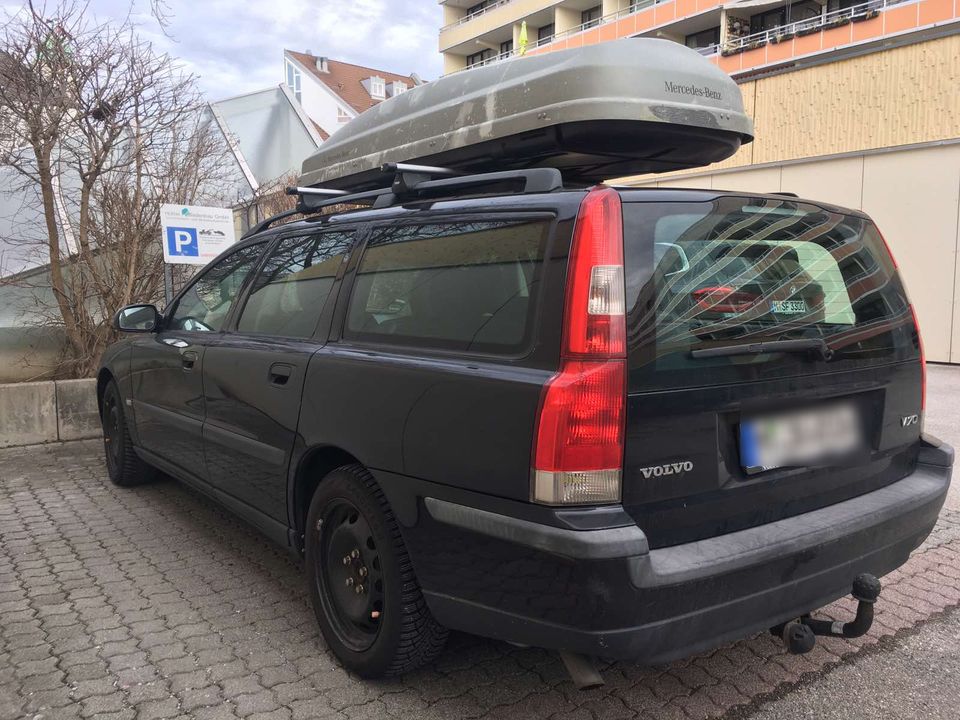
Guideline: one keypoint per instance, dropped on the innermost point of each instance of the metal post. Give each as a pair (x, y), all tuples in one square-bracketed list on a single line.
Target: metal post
[(167, 283)]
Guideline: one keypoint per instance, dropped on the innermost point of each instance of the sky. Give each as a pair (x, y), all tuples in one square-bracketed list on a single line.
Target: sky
[(236, 46)]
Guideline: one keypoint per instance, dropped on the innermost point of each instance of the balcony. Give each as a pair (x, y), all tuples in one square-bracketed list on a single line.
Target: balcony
[(474, 15), (783, 33)]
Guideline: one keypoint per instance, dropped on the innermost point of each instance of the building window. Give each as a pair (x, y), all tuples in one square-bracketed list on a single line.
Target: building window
[(378, 87), (591, 18), (293, 81), (768, 20), (640, 4), (480, 6), (506, 48), (480, 58), (545, 34), (397, 87), (705, 39), (342, 115)]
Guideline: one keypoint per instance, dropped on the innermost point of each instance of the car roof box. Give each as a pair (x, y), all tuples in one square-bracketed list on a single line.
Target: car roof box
[(599, 112)]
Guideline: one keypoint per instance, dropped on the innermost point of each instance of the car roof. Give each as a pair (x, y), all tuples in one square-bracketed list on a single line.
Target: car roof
[(466, 203)]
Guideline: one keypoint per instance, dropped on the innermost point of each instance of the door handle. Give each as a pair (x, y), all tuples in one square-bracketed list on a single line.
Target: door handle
[(280, 373), (176, 342), (188, 358)]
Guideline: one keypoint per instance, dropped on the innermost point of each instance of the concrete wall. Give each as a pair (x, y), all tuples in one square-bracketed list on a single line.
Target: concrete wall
[(914, 196), (44, 412)]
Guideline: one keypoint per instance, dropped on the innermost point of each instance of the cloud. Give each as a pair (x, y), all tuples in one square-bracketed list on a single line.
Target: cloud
[(236, 47)]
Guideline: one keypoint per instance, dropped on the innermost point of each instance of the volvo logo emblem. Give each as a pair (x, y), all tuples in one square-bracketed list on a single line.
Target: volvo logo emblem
[(668, 469)]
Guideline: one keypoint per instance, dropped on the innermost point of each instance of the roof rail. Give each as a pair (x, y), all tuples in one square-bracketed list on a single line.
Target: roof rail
[(407, 181)]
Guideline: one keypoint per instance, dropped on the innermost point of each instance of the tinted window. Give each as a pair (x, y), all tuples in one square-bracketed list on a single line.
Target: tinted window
[(461, 286), (746, 270), (204, 307), (289, 293)]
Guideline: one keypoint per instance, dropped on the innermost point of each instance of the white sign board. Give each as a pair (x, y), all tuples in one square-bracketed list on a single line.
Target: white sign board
[(195, 235)]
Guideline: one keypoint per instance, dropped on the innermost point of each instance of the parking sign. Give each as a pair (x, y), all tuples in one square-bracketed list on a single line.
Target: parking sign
[(194, 235)]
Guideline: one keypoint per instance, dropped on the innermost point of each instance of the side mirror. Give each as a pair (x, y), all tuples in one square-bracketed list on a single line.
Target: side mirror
[(137, 318)]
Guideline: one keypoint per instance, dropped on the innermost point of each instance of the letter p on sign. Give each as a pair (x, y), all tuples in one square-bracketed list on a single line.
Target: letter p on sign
[(182, 242)]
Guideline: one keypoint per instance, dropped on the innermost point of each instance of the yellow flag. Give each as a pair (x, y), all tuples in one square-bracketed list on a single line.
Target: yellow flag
[(523, 38)]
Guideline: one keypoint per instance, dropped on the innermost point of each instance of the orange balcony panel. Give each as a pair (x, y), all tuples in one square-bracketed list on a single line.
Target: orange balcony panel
[(898, 19), (752, 58), (834, 37), (934, 11), (608, 32), (590, 37), (686, 7), (807, 44), (868, 29), (645, 20), (731, 63), (779, 51), (664, 13)]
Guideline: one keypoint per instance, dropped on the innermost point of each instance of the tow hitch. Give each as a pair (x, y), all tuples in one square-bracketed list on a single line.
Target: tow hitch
[(799, 636)]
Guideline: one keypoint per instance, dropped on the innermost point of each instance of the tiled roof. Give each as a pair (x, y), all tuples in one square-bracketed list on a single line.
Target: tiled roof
[(324, 135), (346, 80)]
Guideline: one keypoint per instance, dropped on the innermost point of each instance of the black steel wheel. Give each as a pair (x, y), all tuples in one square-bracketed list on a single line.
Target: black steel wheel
[(124, 466), (365, 594)]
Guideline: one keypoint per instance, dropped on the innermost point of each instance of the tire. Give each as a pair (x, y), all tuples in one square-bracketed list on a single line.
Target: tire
[(124, 466), (361, 581)]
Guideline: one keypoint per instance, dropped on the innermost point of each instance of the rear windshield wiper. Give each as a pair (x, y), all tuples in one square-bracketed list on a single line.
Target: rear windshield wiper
[(817, 346)]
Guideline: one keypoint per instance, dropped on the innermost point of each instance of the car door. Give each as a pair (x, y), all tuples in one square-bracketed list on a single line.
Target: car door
[(167, 366), (254, 373)]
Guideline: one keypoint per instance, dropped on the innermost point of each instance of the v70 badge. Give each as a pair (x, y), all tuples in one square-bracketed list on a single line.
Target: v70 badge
[(908, 420)]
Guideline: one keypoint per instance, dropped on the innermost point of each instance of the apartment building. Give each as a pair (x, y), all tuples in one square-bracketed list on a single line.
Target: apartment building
[(854, 102)]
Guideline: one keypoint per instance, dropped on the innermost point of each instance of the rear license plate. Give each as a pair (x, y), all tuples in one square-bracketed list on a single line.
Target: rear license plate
[(788, 307), (800, 438)]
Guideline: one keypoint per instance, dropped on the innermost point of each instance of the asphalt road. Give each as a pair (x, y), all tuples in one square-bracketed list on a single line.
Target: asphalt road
[(154, 602)]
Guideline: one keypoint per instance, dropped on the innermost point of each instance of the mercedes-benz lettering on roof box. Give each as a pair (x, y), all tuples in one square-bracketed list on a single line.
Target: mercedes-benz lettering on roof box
[(605, 111)]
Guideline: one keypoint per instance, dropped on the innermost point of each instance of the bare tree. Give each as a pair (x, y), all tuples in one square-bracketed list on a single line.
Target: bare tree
[(109, 130)]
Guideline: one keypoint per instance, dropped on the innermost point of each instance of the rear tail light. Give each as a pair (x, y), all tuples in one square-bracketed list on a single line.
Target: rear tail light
[(724, 299), (578, 444), (916, 324), (923, 362)]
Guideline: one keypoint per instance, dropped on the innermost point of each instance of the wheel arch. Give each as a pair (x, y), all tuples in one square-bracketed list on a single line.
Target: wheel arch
[(103, 378), (315, 464)]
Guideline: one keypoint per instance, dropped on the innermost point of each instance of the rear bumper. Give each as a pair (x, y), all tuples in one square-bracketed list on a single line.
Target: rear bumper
[(602, 592)]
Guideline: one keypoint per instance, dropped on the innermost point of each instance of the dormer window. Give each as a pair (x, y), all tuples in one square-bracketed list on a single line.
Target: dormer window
[(397, 87), (378, 88), (342, 115)]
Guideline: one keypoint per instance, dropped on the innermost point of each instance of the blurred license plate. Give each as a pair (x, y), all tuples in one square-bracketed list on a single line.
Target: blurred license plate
[(788, 307), (808, 437)]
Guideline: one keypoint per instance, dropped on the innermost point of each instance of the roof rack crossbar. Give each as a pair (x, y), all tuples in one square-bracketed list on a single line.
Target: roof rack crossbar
[(392, 168), (535, 180), (315, 191)]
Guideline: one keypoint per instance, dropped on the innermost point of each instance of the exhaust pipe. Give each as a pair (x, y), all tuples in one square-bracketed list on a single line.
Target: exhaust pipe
[(799, 636)]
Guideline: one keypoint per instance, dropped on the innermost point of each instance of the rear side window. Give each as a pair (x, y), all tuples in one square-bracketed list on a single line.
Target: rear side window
[(747, 270), (288, 295), (466, 286)]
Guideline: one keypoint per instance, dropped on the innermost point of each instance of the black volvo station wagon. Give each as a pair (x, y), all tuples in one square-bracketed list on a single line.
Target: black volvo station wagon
[(626, 423)]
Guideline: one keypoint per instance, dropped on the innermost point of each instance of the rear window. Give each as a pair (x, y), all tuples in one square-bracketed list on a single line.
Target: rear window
[(467, 286), (740, 271)]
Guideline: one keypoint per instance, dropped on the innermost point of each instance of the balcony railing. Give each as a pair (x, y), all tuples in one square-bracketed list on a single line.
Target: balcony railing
[(478, 13), (784, 33)]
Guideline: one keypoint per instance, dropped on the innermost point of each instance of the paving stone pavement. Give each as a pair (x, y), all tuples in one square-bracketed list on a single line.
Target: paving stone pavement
[(155, 603)]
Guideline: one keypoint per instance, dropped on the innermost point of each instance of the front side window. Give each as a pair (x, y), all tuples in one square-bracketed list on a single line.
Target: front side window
[(289, 293), (466, 286), (204, 307)]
